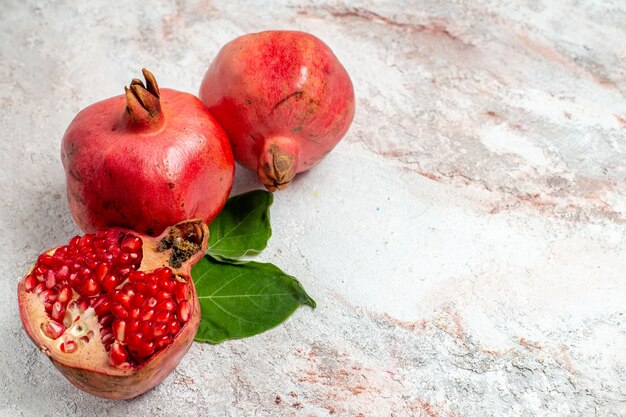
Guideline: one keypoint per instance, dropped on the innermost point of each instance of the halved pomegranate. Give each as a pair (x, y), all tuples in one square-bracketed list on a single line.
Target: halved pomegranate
[(115, 311)]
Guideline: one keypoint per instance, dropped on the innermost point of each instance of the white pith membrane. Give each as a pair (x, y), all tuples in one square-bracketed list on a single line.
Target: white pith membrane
[(85, 354), (75, 347)]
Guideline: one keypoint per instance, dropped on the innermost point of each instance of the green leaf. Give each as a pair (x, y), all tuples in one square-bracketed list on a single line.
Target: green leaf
[(245, 299), (242, 228)]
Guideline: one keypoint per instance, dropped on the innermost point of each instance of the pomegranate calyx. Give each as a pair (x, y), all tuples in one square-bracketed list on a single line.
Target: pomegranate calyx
[(143, 104), (185, 240), (278, 163)]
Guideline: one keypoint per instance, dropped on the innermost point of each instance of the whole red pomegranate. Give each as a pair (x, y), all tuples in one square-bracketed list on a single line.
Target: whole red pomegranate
[(146, 160), (115, 311), (284, 100)]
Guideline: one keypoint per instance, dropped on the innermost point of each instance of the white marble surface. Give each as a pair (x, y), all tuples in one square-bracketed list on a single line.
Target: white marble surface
[(466, 242)]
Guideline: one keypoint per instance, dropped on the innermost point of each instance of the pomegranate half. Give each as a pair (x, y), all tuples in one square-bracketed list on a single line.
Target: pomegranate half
[(284, 100), (115, 311), (146, 160)]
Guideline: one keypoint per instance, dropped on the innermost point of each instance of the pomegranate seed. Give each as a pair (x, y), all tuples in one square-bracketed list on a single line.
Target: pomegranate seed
[(59, 253), (114, 236), (115, 251), (39, 288), (85, 272), (183, 311), (124, 271), (146, 330), (51, 281), (128, 289), (124, 259), (119, 329), (107, 338), (135, 313), (141, 287), (102, 306), (132, 326), (136, 276), (63, 273), (147, 315), (48, 307), (153, 288), (106, 321), (65, 293), (131, 244), (106, 257), (163, 274), (50, 261), (74, 242), (152, 302), (53, 329), (138, 300), (168, 305), (90, 287), (74, 281), (47, 295), (101, 271), (85, 240), (173, 327), (164, 295), (119, 311), (163, 316), (168, 285), (83, 304), (161, 342), (58, 311), (122, 298), (69, 346), (118, 354), (30, 282), (182, 292), (40, 270), (134, 340), (145, 349), (159, 329), (110, 283)]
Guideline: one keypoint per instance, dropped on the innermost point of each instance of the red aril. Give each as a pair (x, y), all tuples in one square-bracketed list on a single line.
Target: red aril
[(284, 100), (115, 311), (144, 161)]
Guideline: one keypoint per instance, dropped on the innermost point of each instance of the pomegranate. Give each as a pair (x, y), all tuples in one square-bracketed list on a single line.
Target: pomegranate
[(146, 160), (115, 311), (284, 100)]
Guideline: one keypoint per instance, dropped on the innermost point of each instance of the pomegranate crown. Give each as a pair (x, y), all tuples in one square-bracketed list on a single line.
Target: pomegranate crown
[(143, 104)]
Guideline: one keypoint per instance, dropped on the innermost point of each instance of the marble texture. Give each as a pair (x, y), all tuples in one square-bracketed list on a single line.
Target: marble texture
[(465, 243)]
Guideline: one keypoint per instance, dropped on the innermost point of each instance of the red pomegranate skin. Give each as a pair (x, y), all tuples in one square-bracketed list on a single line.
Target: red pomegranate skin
[(146, 177), (283, 98)]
